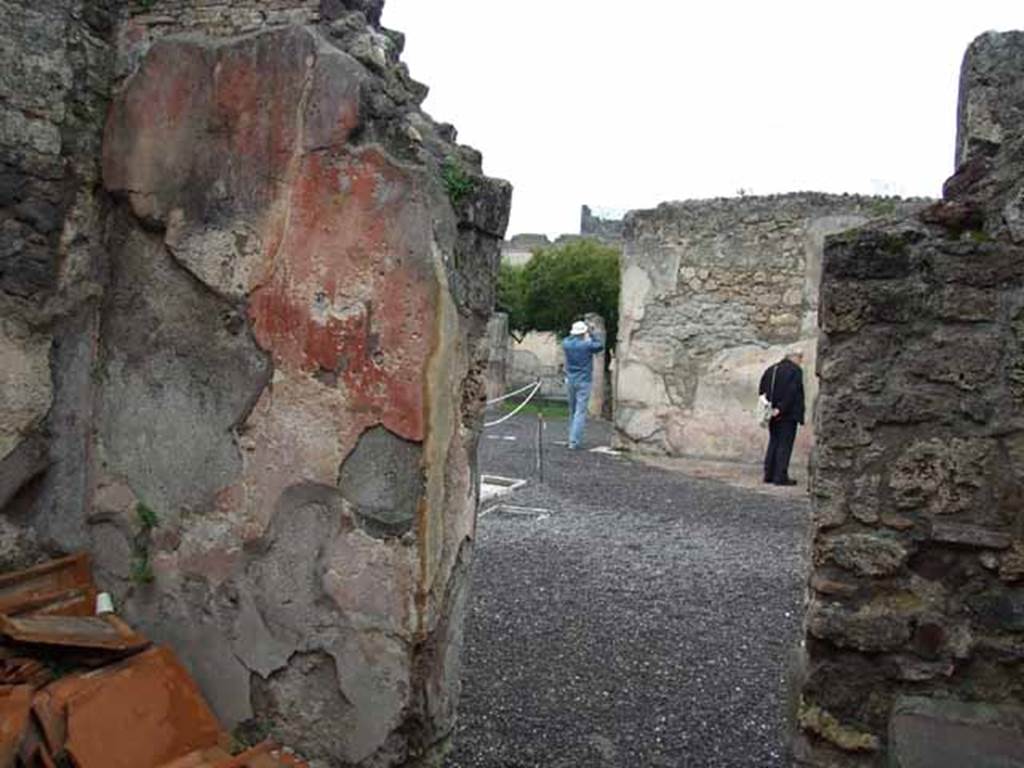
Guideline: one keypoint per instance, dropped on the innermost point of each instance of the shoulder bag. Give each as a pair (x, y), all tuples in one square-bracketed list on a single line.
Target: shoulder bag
[(763, 411)]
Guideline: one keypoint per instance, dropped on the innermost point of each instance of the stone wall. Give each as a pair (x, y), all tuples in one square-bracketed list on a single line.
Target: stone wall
[(498, 341), (913, 632), (518, 250), (55, 80), (265, 323), (714, 291), (608, 231), (538, 356)]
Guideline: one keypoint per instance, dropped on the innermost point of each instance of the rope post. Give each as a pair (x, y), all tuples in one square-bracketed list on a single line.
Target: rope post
[(540, 447)]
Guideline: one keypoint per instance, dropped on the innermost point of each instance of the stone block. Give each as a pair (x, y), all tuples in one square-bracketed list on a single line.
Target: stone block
[(1001, 610), (864, 501), (383, 480), (944, 733), (991, 99), (869, 254), (1011, 564), (865, 554), (832, 587), (942, 476), (914, 670), (969, 535), (864, 629)]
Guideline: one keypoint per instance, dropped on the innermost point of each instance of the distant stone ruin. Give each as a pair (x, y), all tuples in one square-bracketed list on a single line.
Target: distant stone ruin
[(914, 651), (713, 292), (518, 250), (607, 230), (244, 289)]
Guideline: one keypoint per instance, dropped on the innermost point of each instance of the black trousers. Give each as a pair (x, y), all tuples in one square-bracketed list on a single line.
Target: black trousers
[(781, 435)]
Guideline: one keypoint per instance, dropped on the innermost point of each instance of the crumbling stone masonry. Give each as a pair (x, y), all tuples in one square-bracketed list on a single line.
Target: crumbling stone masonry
[(237, 294), (607, 231), (914, 653), (714, 291)]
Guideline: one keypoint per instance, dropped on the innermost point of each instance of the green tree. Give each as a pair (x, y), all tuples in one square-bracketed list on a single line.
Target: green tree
[(560, 285)]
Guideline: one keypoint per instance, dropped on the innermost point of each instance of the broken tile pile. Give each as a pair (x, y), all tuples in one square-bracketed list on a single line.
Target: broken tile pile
[(79, 687)]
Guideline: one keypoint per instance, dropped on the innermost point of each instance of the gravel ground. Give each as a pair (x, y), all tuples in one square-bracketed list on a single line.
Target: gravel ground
[(647, 620)]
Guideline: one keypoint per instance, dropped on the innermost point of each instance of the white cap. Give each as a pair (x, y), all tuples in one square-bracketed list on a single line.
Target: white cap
[(579, 328)]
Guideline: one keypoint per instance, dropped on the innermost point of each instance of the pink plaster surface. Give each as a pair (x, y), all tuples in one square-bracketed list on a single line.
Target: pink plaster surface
[(345, 288), (342, 291)]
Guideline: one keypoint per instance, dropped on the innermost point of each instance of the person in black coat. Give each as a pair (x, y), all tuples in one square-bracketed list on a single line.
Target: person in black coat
[(783, 385)]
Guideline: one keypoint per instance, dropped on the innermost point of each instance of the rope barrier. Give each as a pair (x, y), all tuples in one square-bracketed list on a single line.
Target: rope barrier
[(517, 409), (507, 395)]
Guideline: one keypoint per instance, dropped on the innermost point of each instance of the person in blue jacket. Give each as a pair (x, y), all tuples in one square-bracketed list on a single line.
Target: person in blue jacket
[(580, 347)]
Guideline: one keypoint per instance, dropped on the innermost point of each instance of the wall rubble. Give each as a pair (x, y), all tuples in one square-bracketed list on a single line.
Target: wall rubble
[(232, 277), (714, 291), (913, 653)]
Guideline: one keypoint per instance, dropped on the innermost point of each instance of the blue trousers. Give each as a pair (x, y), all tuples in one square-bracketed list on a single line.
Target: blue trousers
[(579, 400)]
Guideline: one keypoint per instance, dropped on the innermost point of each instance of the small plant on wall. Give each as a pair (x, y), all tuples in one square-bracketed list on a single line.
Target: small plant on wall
[(141, 567), (457, 182)]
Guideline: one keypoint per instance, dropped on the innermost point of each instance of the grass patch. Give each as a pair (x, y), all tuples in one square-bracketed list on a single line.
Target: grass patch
[(882, 207), (550, 409)]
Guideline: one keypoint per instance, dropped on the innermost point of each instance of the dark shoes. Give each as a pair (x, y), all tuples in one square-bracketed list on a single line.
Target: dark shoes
[(787, 481)]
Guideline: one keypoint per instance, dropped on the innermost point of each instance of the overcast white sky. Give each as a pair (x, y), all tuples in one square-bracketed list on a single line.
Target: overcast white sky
[(627, 104)]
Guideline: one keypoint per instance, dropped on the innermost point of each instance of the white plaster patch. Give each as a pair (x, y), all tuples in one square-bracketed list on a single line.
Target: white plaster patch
[(226, 259), (638, 383), (607, 450), (511, 510), (636, 285), (492, 486)]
